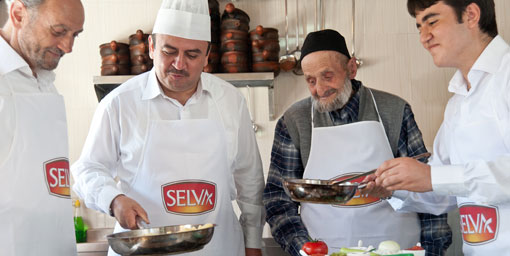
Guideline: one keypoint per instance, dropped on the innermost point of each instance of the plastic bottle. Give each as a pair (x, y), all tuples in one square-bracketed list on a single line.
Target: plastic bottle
[(80, 228)]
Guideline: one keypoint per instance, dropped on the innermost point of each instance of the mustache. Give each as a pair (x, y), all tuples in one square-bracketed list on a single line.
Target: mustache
[(175, 71), (326, 93), (55, 50)]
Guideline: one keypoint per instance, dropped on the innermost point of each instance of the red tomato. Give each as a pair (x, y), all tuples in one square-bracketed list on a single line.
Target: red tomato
[(315, 247), (415, 248)]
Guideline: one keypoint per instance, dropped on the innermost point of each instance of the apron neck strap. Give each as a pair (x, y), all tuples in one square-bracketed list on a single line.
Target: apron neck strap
[(377, 110)]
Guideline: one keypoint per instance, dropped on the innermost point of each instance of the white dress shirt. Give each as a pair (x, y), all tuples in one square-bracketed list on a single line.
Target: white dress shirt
[(482, 173), (16, 77), (114, 147)]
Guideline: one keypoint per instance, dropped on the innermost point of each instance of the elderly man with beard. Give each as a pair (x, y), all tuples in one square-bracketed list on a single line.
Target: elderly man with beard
[(343, 129), (35, 207)]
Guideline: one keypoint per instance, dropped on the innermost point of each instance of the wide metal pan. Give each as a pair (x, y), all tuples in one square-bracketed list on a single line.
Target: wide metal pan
[(320, 191), (328, 191), (162, 240)]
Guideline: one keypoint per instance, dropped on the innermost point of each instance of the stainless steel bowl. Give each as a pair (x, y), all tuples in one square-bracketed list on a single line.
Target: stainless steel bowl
[(319, 191), (163, 240)]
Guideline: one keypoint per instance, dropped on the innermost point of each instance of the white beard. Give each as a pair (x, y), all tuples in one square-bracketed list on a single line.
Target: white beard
[(339, 102)]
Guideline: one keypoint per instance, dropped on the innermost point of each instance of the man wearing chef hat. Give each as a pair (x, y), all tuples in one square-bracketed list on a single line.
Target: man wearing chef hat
[(36, 215), (470, 167), (179, 141), (343, 129)]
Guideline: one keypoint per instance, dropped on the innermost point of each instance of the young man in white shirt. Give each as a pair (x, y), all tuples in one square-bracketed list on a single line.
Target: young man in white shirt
[(470, 164)]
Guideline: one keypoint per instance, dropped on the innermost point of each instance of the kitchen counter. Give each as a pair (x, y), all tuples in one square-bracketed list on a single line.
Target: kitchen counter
[(98, 246)]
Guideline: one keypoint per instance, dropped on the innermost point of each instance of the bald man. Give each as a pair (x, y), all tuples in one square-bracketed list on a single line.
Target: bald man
[(35, 207)]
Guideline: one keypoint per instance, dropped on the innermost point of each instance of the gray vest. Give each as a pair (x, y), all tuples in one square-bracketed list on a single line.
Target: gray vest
[(391, 109)]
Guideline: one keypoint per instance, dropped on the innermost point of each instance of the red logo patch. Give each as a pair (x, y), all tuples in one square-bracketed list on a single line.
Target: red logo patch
[(358, 200), (56, 172), (478, 224), (189, 197)]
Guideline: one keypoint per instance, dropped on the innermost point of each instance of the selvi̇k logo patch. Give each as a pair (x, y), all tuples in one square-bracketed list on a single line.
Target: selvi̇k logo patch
[(189, 197), (478, 223), (358, 200), (56, 174)]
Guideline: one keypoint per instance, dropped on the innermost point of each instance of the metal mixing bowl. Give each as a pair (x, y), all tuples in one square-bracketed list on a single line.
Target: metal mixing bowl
[(319, 191), (163, 240)]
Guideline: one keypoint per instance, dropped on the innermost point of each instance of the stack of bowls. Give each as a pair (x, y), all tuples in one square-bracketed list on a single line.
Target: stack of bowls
[(265, 49), (114, 59), (234, 40), (213, 65), (139, 52)]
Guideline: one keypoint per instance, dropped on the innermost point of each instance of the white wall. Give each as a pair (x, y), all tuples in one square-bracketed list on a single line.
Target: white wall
[(386, 41)]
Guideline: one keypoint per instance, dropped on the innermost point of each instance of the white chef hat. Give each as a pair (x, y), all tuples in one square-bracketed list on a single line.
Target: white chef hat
[(184, 18)]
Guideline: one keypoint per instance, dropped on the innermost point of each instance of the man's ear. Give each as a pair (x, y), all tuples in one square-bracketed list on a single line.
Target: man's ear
[(352, 68), (151, 47), (18, 14), (472, 15)]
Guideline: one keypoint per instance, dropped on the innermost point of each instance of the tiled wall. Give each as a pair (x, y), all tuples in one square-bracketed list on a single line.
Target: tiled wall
[(386, 40)]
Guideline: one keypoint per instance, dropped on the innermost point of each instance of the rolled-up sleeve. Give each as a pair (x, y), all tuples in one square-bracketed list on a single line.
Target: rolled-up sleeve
[(249, 181)]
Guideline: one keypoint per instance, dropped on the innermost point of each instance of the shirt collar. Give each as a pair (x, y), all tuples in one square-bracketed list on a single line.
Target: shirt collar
[(491, 57), (14, 60), (152, 90), (488, 62)]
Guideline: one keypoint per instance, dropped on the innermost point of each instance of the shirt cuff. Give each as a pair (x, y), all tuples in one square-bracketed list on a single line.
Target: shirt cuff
[(448, 180), (397, 200), (106, 197), (400, 194)]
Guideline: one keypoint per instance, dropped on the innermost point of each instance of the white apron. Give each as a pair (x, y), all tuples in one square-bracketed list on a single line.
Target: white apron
[(36, 216), (485, 229), (346, 150), (184, 178)]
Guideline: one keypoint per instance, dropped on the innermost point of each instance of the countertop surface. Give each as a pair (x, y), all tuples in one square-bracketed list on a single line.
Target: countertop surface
[(97, 244)]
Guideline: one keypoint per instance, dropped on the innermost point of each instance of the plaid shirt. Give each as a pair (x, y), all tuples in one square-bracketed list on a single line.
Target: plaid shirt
[(282, 213)]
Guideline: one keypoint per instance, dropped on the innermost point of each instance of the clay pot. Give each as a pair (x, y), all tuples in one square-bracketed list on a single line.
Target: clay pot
[(261, 33), (122, 59), (211, 68), (234, 35), (215, 48), (269, 45), (115, 69), (265, 55), (234, 45), (234, 58), (138, 38), (268, 66), (140, 59), (215, 37), (139, 49), (235, 68), (230, 24), (214, 58), (214, 7), (138, 69), (231, 12), (113, 47)]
